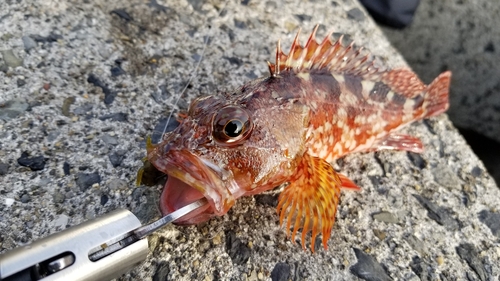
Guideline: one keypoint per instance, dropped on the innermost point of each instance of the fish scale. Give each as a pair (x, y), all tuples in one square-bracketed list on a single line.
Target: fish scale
[(320, 102)]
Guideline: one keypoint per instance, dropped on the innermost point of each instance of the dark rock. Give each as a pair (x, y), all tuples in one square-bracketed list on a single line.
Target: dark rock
[(29, 43), (441, 215), (237, 250), (20, 82), (420, 268), (489, 48), (368, 268), (234, 60), (86, 180), (469, 253), (122, 14), (104, 199), (109, 96), (417, 160), (476, 172), (155, 5), (4, 169), (303, 17), (120, 116), (83, 110), (117, 157), (267, 199), (117, 71), (356, 14), (45, 39), (25, 198), (66, 168), (162, 272), (160, 128), (145, 211), (245, 2), (281, 272), (36, 163), (12, 108), (492, 221), (240, 24)]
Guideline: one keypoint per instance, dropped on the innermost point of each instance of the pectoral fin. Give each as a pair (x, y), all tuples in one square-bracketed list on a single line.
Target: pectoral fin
[(310, 200), (400, 142)]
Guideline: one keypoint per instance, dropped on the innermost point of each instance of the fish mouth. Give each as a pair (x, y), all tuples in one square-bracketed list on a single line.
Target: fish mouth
[(191, 178)]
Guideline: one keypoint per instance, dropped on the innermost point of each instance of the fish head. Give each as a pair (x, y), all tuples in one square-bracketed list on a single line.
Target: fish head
[(226, 148)]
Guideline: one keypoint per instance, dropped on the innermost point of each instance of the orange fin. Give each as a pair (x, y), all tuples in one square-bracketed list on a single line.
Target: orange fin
[(347, 183), (311, 199), (399, 142), (436, 97), (328, 55)]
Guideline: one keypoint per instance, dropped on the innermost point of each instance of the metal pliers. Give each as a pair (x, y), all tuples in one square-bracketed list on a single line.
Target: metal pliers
[(100, 249)]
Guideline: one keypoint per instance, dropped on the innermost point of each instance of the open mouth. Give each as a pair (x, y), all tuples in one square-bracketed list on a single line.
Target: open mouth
[(191, 178)]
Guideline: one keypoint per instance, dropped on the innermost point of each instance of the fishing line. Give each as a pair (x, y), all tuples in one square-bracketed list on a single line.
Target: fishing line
[(193, 74)]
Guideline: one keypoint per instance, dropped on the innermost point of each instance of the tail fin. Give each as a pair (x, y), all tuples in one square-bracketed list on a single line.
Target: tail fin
[(436, 97)]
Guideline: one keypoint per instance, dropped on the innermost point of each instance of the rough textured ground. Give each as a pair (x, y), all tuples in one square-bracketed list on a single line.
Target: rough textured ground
[(462, 36), (83, 83)]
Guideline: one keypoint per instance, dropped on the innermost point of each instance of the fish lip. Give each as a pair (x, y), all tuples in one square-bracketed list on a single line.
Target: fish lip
[(199, 173)]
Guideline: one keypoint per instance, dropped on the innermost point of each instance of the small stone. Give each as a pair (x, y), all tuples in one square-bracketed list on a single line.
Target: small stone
[(469, 253), (12, 108), (417, 244), (356, 14), (267, 200), (66, 168), (380, 234), (29, 43), (420, 268), (109, 96), (120, 116), (492, 221), (368, 268), (10, 59), (61, 221), (385, 217), (20, 82), (65, 110), (217, 239), (116, 158), (58, 197), (4, 169), (476, 172), (417, 160), (281, 272), (162, 272), (86, 180), (237, 250), (444, 176), (25, 198), (36, 163), (117, 71), (109, 140), (104, 199), (441, 215), (440, 260)]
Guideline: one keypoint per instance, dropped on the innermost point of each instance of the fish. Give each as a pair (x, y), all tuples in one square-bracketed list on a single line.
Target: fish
[(320, 102)]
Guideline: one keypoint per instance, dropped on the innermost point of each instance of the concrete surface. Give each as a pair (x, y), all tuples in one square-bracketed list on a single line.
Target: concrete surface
[(84, 83), (462, 36)]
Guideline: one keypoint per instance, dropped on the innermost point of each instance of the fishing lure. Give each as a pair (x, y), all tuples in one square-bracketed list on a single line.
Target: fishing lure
[(319, 103)]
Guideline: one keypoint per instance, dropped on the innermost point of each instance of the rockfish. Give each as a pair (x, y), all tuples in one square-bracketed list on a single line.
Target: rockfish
[(319, 103)]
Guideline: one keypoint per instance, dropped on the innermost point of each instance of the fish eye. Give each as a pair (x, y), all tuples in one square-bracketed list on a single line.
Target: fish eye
[(231, 125)]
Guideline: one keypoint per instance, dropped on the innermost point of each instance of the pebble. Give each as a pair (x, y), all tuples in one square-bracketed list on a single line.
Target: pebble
[(25, 198), (267, 199), (420, 268), (385, 217), (85, 180), (469, 253), (29, 43), (35, 163), (12, 108), (104, 199), (444, 176), (120, 116), (10, 59), (441, 215), (368, 268), (61, 221), (65, 110), (417, 160), (356, 14), (109, 140), (281, 272), (58, 197), (237, 250), (4, 169), (116, 158), (162, 272), (109, 96), (492, 221)]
